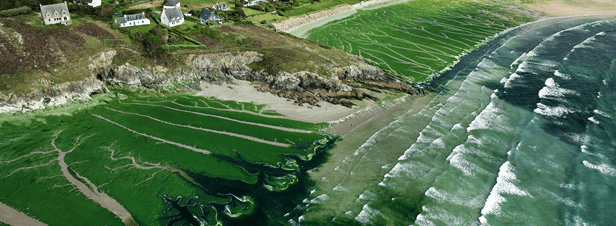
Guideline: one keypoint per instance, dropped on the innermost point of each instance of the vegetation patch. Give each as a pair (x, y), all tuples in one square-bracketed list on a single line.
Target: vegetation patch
[(418, 39), (162, 158)]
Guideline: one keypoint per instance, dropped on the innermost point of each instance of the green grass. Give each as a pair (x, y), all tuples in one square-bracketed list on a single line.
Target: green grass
[(268, 16), (417, 39), (142, 28), (25, 141), (252, 12)]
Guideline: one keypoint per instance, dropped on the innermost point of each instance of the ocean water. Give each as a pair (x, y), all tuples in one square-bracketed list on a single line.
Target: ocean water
[(520, 133)]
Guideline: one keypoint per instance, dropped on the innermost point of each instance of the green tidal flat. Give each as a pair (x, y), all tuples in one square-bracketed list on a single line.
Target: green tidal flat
[(418, 39), (166, 159)]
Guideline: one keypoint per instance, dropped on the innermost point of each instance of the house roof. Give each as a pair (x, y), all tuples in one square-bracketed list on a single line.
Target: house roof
[(206, 15), (53, 7), (173, 13), (132, 17), (172, 3)]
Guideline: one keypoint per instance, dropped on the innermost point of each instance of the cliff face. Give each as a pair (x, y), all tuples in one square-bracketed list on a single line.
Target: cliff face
[(342, 85), (47, 95)]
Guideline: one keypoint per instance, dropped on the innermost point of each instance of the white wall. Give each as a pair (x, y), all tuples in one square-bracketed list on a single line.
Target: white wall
[(136, 23)]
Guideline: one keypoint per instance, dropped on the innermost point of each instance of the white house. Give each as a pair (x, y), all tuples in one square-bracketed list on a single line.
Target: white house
[(172, 17), (55, 13), (222, 6), (93, 3), (133, 20), (253, 2), (172, 4)]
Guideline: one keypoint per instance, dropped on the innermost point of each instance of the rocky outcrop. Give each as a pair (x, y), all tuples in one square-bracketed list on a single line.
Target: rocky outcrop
[(342, 85), (45, 94), (339, 87), (214, 68)]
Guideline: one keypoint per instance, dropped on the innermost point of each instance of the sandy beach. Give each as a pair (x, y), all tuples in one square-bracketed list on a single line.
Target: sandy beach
[(573, 7), (298, 26), (243, 91), (362, 121)]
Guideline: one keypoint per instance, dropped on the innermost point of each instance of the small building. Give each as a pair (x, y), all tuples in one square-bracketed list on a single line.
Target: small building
[(205, 15), (253, 2), (133, 20), (93, 3), (222, 6), (172, 17), (172, 4), (55, 13)]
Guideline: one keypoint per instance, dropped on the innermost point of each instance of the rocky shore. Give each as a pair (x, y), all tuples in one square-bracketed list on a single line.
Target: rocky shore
[(343, 84)]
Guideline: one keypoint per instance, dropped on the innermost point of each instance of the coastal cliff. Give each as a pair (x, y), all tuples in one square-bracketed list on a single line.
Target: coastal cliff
[(341, 85)]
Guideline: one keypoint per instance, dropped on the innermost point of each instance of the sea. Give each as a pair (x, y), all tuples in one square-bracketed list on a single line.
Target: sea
[(520, 132)]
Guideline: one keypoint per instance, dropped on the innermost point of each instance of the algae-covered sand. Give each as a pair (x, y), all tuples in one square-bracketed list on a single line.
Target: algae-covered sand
[(151, 159)]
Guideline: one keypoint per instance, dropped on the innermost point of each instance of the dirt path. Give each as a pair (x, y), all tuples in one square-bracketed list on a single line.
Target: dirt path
[(207, 130), (10, 216), (88, 188)]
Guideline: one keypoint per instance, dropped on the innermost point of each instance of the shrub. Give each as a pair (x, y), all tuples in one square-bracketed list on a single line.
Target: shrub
[(15, 11), (135, 11)]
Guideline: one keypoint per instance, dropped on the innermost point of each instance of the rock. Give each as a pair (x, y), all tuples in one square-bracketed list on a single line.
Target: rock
[(45, 94)]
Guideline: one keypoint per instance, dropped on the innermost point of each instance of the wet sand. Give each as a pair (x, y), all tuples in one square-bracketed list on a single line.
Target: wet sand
[(355, 125), (243, 91), (10, 216)]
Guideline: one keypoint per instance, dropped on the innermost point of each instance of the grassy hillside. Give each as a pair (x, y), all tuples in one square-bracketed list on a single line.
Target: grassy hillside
[(61, 53)]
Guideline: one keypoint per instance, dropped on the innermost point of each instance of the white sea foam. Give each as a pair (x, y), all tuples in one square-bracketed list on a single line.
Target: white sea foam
[(603, 168), (457, 160), (340, 188), (366, 214), (436, 213), (504, 185), (593, 120), (512, 77), (457, 126), (519, 60), (445, 197), (486, 118), (553, 90), (557, 111), (487, 63), (599, 112), (562, 75), (320, 198), (503, 80), (438, 143)]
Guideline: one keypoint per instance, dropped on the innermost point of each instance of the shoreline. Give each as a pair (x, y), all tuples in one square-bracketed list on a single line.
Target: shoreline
[(244, 91), (317, 19), (360, 121)]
